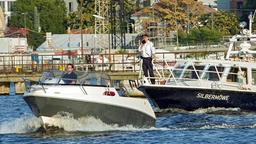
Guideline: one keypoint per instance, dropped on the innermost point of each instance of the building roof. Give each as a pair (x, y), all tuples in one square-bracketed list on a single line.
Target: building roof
[(72, 42), (212, 3)]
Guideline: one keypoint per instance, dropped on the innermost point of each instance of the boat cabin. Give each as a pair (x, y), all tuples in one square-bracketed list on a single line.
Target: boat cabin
[(202, 73)]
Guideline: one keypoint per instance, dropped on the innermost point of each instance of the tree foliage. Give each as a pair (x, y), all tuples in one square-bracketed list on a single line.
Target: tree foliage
[(178, 13), (73, 19), (224, 22), (211, 28), (52, 15), (200, 35)]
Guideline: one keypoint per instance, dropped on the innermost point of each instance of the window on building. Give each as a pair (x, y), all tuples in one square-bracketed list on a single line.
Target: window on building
[(239, 5), (70, 7), (10, 5), (2, 5)]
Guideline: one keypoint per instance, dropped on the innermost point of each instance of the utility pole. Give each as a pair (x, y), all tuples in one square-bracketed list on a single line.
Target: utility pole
[(81, 29), (188, 15), (36, 20), (212, 23), (177, 27), (25, 22)]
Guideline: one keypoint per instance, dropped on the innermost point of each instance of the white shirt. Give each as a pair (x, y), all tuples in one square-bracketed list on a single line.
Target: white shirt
[(147, 49)]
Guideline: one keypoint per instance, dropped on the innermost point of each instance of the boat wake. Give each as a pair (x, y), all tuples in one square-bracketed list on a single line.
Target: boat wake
[(25, 124), (219, 110), (86, 124), (210, 110), (30, 124), (208, 127)]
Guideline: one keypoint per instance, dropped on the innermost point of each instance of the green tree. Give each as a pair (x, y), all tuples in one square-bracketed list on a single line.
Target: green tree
[(202, 35), (73, 19), (178, 13), (224, 22), (52, 16)]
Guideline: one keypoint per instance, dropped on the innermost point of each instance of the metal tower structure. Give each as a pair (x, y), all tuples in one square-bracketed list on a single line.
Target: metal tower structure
[(110, 18), (118, 24), (101, 16)]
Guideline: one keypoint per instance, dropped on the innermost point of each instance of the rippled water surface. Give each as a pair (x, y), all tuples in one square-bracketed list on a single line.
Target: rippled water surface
[(213, 125)]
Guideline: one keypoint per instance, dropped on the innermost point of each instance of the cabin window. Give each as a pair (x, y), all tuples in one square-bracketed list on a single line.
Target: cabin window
[(199, 70), (233, 74), (178, 71), (254, 76), (214, 73), (191, 72)]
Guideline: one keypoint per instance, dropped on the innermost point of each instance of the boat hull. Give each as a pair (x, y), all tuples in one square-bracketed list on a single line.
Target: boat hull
[(110, 114), (195, 98)]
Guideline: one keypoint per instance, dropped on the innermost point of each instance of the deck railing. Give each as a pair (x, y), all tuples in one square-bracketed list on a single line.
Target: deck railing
[(25, 63)]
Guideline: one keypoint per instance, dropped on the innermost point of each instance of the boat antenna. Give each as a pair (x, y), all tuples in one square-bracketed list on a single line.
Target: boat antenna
[(251, 18)]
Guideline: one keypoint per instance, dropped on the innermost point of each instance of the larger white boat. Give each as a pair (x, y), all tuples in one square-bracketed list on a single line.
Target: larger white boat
[(227, 83), (90, 96)]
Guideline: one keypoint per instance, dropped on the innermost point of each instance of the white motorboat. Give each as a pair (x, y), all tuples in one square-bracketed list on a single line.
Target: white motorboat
[(90, 96)]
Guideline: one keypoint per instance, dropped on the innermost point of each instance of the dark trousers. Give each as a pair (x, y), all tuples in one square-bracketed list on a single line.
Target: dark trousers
[(147, 67)]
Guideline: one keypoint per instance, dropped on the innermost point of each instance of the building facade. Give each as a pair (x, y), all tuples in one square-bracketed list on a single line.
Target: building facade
[(71, 5), (210, 3), (6, 6), (232, 5)]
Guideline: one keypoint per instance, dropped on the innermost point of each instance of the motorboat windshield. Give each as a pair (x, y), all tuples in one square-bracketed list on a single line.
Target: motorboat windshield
[(83, 78), (51, 77), (94, 78)]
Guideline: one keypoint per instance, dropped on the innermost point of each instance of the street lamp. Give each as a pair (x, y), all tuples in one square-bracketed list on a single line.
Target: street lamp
[(98, 16), (95, 27), (25, 21), (95, 31), (155, 28), (81, 32), (177, 27)]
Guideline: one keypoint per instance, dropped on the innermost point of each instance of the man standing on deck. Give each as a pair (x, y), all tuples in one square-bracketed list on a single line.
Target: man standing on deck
[(147, 51)]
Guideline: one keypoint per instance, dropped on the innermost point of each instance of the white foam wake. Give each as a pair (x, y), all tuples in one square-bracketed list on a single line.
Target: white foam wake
[(28, 124), (25, 124), (216, 109), (87, 124)]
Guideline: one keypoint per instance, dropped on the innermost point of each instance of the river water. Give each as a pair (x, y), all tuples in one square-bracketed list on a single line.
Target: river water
[(213, 125)]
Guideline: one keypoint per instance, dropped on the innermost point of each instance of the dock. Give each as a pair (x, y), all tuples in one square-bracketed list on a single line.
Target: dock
[(119, 66)]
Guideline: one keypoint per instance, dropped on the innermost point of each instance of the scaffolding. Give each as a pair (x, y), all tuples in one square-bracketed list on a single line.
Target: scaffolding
[(101, 16), (118, 24), (110, 18)]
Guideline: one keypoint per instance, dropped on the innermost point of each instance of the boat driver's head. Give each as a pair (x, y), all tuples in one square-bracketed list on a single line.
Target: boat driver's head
[(70, 67)]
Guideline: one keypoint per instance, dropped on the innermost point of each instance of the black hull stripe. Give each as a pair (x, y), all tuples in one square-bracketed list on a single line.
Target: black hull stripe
[(191, 99)]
